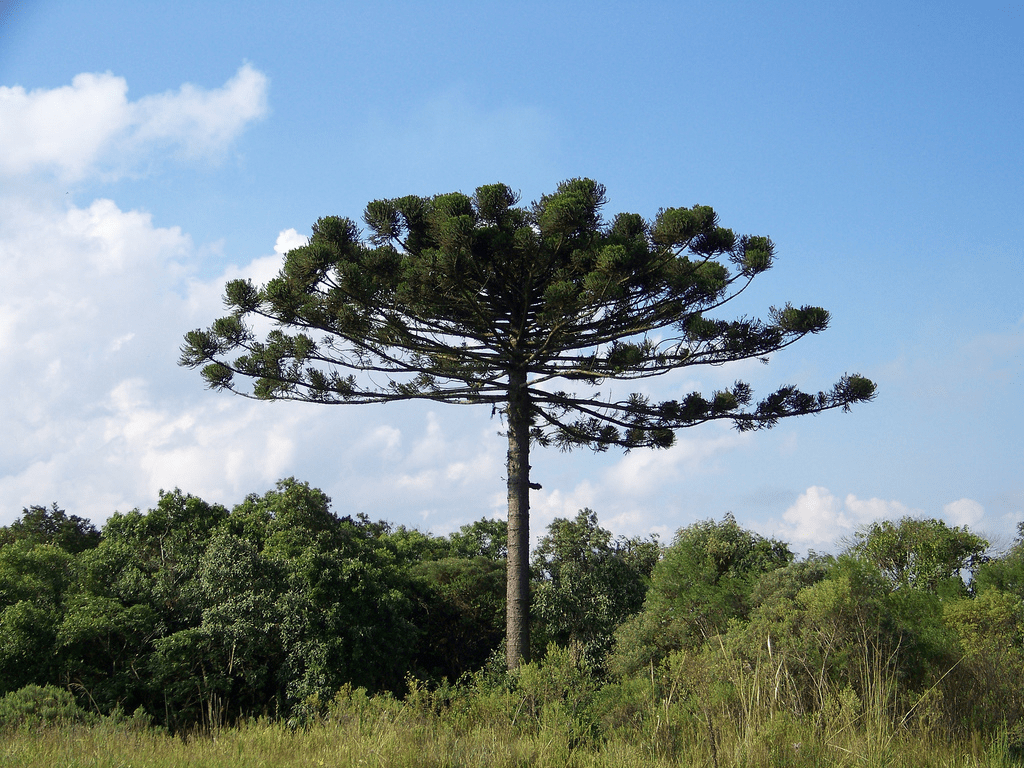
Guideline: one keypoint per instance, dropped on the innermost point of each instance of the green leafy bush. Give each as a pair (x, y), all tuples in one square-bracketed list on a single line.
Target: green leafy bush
[(41, 705), (704, 580)]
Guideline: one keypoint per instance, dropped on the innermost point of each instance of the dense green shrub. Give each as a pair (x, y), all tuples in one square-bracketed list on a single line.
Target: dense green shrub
[(41, 705), (460, 614), (703, 581), (921, 554), (587, 584)]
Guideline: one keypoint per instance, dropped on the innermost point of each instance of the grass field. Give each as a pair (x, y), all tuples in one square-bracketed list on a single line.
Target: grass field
[(499, 731)]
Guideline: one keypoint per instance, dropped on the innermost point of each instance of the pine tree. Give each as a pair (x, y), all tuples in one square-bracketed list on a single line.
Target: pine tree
[(477, 300)]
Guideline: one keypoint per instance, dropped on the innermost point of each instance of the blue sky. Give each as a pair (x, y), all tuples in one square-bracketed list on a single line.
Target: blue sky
[(149, 152)]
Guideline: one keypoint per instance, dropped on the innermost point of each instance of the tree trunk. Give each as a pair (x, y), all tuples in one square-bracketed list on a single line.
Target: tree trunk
[(517, 616)]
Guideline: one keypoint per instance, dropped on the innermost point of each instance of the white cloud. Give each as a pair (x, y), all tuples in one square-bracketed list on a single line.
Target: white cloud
[(546, 505), (482, 464), (964, 512), (205, 297), (287, 240), (818, 519), (91, 125), (96, 413), (643, 473), (98, 416), (443, 463), (384, 439), (218, 448), (87, 301), (65, 128), (432, 445), (85, 295), (197, 121)]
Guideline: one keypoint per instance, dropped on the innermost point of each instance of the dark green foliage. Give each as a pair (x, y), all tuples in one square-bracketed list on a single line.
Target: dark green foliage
[(192, 615), (450, 294), (153, 558), (348, 618), (459, 585), (104, 648), (231, 659), (412, 546), (484, 538), (588, 584), (52, 525), (784, 583), (989, 680), (704, 580), (199, 614), (41, 574), (139, 587), (294, 601), (461, 618), (1004, 573), (35, 583)]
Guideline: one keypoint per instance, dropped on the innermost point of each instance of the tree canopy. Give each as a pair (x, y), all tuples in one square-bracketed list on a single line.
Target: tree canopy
[(530, 309), (588, 584), (925, 554), (52, 525)]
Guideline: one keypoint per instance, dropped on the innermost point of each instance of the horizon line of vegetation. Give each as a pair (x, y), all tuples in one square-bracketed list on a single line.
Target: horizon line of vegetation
[(193, 616)]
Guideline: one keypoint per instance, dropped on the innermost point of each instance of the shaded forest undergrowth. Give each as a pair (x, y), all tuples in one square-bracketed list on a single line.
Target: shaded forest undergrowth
[(280, 633)]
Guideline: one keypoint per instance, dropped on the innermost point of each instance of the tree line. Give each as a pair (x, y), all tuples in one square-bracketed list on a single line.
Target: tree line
[(193, 614), (191, 609)]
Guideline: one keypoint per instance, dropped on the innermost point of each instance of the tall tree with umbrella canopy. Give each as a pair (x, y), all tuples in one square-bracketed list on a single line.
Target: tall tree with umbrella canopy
[(529, 309)]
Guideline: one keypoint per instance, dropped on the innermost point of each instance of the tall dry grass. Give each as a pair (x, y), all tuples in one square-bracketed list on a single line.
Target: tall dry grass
[(719, 711)]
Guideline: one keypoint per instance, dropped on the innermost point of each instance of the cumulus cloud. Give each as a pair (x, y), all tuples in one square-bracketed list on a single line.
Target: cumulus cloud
[(96, 413), (91, 125), (83, 297), (64, 269), (218, 448), (98, 416), (64, 128), (451, 458), (287, 240), (197, 121), (819, 519), (96, 300), (964, 512)]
